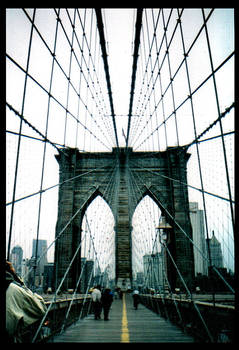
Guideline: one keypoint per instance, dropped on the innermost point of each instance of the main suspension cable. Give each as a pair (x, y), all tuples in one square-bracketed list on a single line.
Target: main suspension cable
[(106, 67), (134, 67)]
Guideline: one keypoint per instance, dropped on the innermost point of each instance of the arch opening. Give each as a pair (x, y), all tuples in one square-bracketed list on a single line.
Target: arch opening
[(145, 244), (98, 243)]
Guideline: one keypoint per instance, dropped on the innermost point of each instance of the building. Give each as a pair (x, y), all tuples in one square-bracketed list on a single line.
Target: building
[(41, 253), (215, 251), (16, 259), (89, 273), (36, 268), (87, 279), (48, 277), (25, 270), (198, 227)]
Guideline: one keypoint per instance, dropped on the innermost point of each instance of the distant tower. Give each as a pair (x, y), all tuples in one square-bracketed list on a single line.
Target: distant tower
[(41, 248), (216, 251), (89, 273), (16, 259), (197, 221)]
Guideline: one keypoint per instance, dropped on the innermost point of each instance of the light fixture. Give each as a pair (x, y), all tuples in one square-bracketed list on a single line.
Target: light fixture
[(165, 227)]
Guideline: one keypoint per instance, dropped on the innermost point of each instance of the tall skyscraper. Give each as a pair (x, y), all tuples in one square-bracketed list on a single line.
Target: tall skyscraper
[(48, 277), (89, 273), (215, 251), (41, 248), (197, 221), (16, 259), (87, 279)]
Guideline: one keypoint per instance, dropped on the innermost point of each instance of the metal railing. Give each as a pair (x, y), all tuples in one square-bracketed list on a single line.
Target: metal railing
[(56, 319), (190, 314)]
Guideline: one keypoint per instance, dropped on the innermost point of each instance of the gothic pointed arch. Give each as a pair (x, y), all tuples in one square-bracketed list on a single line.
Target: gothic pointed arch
[(114, 175)]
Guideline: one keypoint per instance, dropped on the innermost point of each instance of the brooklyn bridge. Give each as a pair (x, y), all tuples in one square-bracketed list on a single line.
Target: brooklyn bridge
[(120, 170)]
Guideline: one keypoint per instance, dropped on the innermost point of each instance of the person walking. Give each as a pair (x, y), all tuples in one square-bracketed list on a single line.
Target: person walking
[(136, 299), (96, 298), (106, 299)]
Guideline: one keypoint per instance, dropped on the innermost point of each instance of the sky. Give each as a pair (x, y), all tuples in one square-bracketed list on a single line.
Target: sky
[(120, 24), (90, 128)]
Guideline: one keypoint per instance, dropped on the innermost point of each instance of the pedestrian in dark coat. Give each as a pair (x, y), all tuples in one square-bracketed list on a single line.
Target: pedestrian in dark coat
[(106, 300), (136, 299)]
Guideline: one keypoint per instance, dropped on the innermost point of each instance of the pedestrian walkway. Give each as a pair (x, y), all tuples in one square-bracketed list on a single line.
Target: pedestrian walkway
[(125, 325)]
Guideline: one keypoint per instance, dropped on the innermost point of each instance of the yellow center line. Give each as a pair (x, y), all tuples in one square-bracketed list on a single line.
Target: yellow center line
[(124, 328)]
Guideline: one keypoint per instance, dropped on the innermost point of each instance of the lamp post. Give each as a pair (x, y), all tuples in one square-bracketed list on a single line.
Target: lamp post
[(164, 238)]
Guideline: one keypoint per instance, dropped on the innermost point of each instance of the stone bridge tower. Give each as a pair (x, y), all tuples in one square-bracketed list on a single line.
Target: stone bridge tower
[(94, 174)]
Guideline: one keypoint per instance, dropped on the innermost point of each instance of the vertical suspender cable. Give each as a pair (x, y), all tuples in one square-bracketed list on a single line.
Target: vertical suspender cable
[(134, 68), (106, 66), (44, 153), (220, 123), (19, 139)]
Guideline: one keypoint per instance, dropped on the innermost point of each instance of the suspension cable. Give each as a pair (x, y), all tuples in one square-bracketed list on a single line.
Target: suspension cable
[(134, 68), (19, 138), (183, 231), (57, 291), (184, 184), (106, 67), (70, 264), (189, 293), (66, 225)]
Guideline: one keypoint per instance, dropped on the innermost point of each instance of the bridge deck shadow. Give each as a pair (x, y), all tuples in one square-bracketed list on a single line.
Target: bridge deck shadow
[(143, 326)]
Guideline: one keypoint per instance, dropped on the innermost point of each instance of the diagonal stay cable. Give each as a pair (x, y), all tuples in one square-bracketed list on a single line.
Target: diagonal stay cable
[(56, 100), (30, 125), (193, 243), (66, 272), (157, 200), (184, 283), (182, 183), (81, 274), (181, 277), (222, 115), (134, 68), (106, 66), (70, 264), (62, 69), (188, 97), (19, 137), (87, 76), (71, 219), (73, 298), (57, 291), (56, 185)]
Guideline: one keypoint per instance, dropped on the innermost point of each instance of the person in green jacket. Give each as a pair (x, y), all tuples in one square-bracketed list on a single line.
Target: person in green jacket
[(23, 307)]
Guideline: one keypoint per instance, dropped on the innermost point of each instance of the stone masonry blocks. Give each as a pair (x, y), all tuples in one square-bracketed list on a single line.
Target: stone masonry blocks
[(152, 172)]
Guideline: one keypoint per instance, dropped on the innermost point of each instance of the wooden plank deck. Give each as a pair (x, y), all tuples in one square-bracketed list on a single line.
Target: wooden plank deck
[(125, 325)]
